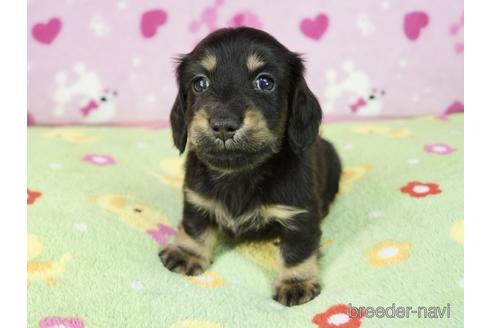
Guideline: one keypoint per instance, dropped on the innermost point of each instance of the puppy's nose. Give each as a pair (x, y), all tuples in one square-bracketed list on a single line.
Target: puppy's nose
[(224, 128)]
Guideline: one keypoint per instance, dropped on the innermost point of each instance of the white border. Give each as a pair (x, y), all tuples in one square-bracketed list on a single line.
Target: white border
[(478, 177), (13, 170), (478, 184)]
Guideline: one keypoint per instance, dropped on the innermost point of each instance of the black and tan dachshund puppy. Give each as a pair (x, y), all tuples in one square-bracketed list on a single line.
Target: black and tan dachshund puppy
[(256, 166)]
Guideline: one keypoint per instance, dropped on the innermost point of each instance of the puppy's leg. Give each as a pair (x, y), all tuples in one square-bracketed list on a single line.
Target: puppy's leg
[(298, 281), (191, 252)]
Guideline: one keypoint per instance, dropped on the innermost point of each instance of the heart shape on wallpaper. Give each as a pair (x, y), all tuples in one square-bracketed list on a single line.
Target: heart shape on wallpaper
[(46, 32), (459, 47), (315, 28), (454, 29), (455, 107), (413, 23), (151, 21)]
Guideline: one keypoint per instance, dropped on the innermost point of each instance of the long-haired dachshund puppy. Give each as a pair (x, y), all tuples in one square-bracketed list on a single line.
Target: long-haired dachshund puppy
[(256, 166)]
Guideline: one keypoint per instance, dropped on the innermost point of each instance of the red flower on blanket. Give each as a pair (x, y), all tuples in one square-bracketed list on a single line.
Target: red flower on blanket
[(32, 196), (338, 316), (421, 189), (57, 322), (99, 160)]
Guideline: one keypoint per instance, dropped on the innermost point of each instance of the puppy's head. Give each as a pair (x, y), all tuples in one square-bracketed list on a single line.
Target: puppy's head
[(242, 97)]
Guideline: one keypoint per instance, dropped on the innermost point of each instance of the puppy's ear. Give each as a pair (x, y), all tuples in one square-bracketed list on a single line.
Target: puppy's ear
[(178, 112), (304, 110)]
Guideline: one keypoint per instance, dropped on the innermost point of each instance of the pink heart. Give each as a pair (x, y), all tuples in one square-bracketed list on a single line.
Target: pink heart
[(413, 23), (454, 29), (315, 28), (46, 32), (151, 21), (30, 119), (459, 47), (455, 107)]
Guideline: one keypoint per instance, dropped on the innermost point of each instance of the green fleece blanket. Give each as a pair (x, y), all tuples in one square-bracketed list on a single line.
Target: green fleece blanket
[(102, 201)]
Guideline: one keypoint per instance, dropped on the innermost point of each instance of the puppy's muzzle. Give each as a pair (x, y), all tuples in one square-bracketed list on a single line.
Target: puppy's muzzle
[(224, 128)]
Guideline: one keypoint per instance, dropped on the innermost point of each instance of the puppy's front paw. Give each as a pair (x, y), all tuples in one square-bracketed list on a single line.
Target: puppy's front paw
[(181, 260), (292, 292)]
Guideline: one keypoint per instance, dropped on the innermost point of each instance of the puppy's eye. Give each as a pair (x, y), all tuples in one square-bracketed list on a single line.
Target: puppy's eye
[(200, 84), (264, 82)]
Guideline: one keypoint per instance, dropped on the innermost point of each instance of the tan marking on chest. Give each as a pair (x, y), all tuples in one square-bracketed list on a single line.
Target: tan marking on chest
[(251, 220)]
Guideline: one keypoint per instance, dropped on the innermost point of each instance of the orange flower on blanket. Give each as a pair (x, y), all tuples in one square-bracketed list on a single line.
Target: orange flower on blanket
[(420, 189), (388, 252), (32, 196), (338, 316), (206, 280)]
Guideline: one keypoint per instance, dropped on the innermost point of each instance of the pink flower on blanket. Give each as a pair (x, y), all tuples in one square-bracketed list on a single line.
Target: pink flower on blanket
[(57, 322), (440, 149), (99, 160), (161, 234)]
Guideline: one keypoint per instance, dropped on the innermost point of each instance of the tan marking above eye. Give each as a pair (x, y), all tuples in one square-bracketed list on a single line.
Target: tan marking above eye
[(209, 62), (254, 61)]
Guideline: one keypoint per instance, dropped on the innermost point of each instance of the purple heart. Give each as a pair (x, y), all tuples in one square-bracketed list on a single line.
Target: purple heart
[(315, 28), (151, 21)]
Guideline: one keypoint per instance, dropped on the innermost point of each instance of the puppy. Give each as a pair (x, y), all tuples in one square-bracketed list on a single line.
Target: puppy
[(256, 166)]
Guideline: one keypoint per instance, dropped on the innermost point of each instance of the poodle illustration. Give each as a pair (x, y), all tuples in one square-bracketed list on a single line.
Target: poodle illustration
[(38, 270), (364, 100), (365, 25), (172, 172), (86, 93), (75, 136), (137, 215)]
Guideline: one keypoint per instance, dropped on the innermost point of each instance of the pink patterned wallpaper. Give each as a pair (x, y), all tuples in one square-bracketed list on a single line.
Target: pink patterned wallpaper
[(111, 61)]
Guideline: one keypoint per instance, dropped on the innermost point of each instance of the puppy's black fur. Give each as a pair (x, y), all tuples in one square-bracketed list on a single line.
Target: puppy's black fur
[(255, 165)]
